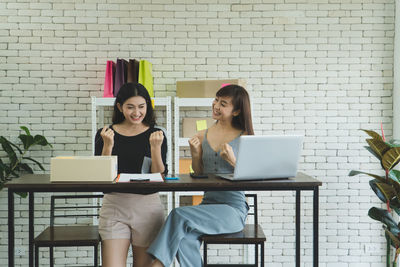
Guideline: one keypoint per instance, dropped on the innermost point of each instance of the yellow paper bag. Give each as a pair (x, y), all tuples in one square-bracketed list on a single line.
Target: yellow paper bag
[(146, 76)]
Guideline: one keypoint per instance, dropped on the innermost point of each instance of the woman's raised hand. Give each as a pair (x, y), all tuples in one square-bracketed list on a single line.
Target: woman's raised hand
[(195, 146), (226, 152), (108, 137), (156, 139)]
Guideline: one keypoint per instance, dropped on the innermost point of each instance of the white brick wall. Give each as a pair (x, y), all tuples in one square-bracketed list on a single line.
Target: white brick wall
[(323, 68)]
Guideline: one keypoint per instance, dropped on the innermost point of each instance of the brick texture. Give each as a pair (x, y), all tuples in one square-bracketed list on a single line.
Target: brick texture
[(321, 68)]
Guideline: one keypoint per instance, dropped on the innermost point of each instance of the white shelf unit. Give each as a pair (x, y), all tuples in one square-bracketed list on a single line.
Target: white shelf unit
[(183, 142), (102, 102), (184, 102)]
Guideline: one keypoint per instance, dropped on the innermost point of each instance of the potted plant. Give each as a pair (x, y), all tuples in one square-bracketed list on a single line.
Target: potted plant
[(17, 157), (387, 188)]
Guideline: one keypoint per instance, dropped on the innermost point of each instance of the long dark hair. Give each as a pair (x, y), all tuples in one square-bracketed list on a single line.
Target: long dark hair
[(241, 103), (127, 91)]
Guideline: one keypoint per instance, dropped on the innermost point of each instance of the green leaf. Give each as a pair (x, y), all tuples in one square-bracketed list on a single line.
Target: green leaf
[(12, 173), (387, 190), (37, 162), (2, 170), (41, 140), (17, 147), (395, 205), (394, 240), (25, 129), (380, 178), (378, 146), (9, 150), (394, 143), (372, 152), (396, 186), (22, 194), (373, 134), (385, 217), (394, 175), (378, 192), (26, 167), (17, 167), (27, 140), (391, 158), (12, 168)]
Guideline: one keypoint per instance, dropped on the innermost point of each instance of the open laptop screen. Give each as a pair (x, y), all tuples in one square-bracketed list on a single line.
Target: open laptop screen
[(267, 157)]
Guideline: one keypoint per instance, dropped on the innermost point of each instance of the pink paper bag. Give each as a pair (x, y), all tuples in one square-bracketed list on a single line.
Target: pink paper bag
[(109, 79)]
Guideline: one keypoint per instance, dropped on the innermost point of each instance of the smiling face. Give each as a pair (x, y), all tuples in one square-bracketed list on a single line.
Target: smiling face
[(222, 108), (133, 109)]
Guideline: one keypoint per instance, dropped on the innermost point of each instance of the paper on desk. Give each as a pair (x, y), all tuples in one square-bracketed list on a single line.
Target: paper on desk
[(128, 177)]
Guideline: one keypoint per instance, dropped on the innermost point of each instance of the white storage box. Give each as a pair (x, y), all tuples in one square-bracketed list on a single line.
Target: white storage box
[(83, 169)]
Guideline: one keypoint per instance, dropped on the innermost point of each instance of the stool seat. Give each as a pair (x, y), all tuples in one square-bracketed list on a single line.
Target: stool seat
[(69, 236), (69, 231), (250, 234)]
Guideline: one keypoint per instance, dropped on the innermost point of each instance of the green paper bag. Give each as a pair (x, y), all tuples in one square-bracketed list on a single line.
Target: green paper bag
[(146, 76)]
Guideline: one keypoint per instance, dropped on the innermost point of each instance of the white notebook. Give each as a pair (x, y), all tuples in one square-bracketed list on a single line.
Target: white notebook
[(132, 177)]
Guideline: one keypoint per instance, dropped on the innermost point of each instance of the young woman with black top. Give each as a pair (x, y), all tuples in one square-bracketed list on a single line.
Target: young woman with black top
[(131, 219)]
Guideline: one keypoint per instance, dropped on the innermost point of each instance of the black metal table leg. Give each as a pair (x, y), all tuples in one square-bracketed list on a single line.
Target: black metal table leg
[(205, 254), (31, 227), (96, 251), (262, 254), (11, 228), (315, 225), (36, 256), (298, 214)]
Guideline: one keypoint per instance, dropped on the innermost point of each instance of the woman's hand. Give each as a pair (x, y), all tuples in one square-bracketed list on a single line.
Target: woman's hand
[(227, 154), (156, 139), (196, 151), (195, 146), (108, 137)]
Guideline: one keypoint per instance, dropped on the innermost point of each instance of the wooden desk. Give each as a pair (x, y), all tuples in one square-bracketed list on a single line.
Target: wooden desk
[(33, 183)]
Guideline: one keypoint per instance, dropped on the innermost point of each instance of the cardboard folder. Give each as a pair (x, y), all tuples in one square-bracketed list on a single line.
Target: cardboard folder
[(83, 169)]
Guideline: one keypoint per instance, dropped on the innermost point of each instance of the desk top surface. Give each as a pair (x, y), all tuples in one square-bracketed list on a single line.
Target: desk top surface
[(41, 183)]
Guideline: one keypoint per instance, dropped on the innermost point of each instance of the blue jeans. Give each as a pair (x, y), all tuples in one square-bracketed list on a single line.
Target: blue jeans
[(181, 232)]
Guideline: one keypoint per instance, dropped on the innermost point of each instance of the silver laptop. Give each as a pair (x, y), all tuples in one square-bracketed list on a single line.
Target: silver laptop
[(266, 157)]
